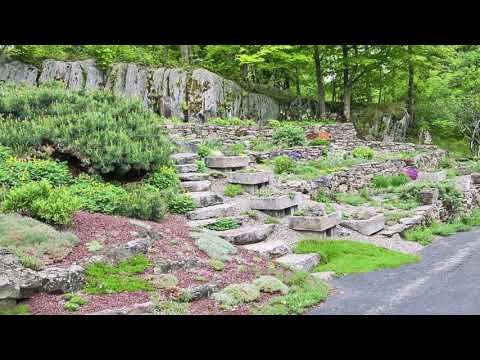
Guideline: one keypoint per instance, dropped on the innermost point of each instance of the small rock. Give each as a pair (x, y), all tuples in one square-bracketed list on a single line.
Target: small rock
[(324, 275), (300, 262), (164, 281), (198, 292), (165, 266), (124, 252)]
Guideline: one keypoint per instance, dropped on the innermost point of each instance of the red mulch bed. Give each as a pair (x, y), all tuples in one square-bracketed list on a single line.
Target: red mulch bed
[(175, 244)]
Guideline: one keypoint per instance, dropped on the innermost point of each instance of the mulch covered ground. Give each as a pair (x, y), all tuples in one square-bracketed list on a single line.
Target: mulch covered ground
[(175, 244)]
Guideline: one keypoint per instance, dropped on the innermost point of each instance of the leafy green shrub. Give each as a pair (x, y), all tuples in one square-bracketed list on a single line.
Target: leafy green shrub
[(20, 309), (283, 164), (94, 246), (58, 208), (232, 190), (106, 133), (181, 204), (350, 199), (144, 202), (289, 136), (363, 152), (271, 220), (5, 153), (15, 172), (223, 224), (208, 146), (262, 144), (74, 302), (102, 278), (33, 240), (321, 197), (30, 261), (171, 307), (202, 168), (381, 181), (97, 196), (235, 150), (318, 142), (398, 180), (216, 264), (21, 198), (164, 178)]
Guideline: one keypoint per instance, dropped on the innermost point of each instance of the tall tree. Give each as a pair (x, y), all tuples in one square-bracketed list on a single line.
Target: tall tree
[(185, 51), (320, 81)]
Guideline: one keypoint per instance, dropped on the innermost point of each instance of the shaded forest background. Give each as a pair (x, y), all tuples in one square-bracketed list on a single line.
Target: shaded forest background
[(438, 85)]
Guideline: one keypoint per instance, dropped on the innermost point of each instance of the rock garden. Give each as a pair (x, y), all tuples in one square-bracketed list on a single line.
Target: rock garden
[(102, 216)]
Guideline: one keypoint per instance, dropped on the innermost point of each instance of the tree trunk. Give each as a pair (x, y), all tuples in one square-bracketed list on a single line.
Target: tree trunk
[(244, 72), (297, 82), (320, 83), (334, 88), (411, 87), (185, 51), (347, 85)]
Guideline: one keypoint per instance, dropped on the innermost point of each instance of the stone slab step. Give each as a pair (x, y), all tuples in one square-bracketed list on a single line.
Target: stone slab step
[(184, 158), (196, 186), (186, 168), (216, 211), (299, 262), (206, 198), (270, 248), (366, 227), (247, 234), (193, 176)]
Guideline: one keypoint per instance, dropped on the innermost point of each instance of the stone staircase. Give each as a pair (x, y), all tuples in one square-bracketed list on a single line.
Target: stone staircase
[(211, 207)]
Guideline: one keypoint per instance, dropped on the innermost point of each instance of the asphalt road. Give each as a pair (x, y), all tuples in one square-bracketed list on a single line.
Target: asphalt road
[(445, 281)]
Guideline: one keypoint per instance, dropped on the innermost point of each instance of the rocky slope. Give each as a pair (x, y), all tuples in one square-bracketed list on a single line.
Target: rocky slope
[(173, 92)]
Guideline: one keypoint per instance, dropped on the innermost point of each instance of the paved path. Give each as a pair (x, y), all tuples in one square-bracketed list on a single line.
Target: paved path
[(445, 281)]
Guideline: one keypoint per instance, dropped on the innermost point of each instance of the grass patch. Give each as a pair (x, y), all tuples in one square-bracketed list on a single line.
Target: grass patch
[(350, 199), (21, 309), (232, 190), (103, 278), (346, 257), (305, 291), (223, 224)]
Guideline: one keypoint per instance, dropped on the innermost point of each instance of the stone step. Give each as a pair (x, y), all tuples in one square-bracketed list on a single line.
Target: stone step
[(193, 176), (184, 158), (196, 186), (247, 234), (270, 248), (216, 211), (299, 262), (206, 198), (186, 168)]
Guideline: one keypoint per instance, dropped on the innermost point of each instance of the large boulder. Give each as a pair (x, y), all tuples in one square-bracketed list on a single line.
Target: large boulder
[(75, 74), (57, 280), (18, 72)]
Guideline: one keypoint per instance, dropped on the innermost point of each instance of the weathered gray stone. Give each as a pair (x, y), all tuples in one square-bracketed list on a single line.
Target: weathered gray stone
[(366, 227), (123, 252), (249, 178), (314, 223), (247, 234), (206, 198), (216, 211), (196, 186), (75, 75), (428, 197), (300, 262), (195, 293), (165, 266), (226, 162), (193, 176), (274, 203), (18, 72), (269, 248), (476, 178), (62, 280), (135, 309), (184, 158), (186, 168), (463, 183), (432, 176)]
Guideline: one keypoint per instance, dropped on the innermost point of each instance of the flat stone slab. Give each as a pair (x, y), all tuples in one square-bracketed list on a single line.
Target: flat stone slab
[(432, 176), (249, 178), (227, 162), (274, 203), (200, 223), (314, 223), (269, 248), (184, 158), (196, 186), (193, 176), (463, 183), (186, 168), (299, 262), (206, 198), (366, 227), (476, 178), (247, 234), (216, 211)]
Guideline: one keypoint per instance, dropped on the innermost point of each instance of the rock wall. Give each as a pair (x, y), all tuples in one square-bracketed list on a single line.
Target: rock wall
[(172, 92)]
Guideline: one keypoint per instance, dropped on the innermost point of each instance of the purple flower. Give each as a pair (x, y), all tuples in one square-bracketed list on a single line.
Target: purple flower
[(411, 172)]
